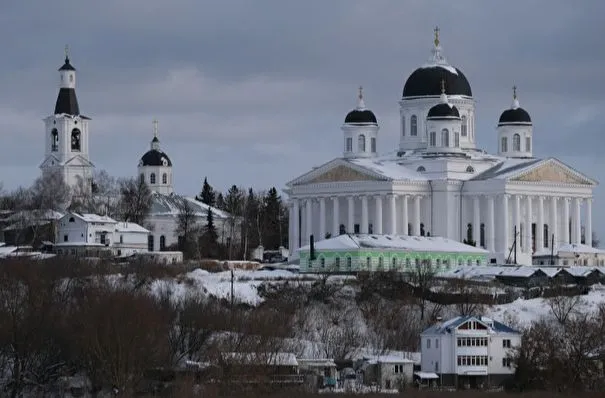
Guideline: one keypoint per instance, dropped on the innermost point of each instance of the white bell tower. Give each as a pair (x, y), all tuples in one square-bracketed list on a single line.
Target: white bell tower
[(67, 135)]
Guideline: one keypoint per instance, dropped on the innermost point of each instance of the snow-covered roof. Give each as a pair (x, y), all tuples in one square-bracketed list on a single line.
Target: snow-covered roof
[(89, 217), (446, 327), (506, 169), (130, 227), (169, 205), (389, 168), (387, 359), (395, 242), (570, 248), (320, 362)]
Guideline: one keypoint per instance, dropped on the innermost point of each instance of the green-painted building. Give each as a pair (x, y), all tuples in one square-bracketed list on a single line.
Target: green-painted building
[(355, 253)]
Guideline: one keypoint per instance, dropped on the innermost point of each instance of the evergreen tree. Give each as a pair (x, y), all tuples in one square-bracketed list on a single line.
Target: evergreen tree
[(234, 206), (208, 240), (271, 219), (220, 201), (207, 196)]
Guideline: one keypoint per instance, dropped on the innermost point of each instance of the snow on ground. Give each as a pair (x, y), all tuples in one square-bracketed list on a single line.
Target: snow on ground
[(526, 311)]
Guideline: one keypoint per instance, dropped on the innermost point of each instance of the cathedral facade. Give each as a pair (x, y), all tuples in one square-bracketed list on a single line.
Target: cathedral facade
[(438, 183)]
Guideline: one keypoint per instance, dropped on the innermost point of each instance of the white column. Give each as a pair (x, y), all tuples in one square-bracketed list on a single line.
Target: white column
[(309, 215), (416, 225), (393, 210), (476, 221), (528, 222), (540, 225), (552, 228), (296, 226), (351, 211), (505, 228), (565, 223), (335, 216), (378, 216), (517, 223), (588, 222), (577, 224), (491, 225), (322, 219), (405, 215), (364, 215)]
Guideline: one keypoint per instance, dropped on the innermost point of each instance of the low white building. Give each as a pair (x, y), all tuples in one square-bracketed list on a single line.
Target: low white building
[(387, 372), (571, 254), (469, 351), (95, 236)]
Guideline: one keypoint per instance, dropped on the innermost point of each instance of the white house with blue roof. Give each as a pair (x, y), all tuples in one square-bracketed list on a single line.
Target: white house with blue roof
[(469, 351), (437, 181)]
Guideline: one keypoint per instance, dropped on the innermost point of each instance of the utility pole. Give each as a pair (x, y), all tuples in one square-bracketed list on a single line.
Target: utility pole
[(232, 292)]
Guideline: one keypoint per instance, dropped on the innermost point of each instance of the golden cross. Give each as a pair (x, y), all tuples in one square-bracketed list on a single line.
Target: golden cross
[(66, 51), (155, 128), (436, 30), (514, 92), (360, 92)]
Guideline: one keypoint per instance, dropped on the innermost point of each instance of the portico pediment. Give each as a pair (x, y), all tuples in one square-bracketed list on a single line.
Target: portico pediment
[(337, 171), (552, 170)]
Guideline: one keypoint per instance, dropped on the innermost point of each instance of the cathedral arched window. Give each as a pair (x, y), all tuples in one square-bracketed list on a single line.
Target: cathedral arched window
[(414, 125), (504, 145), (349, 144), (150, 243), (456, 140), (469, 233), (527, 144), (76, 136), (482, 235), (516, 142), (445, 138), (342, 230), (164, 178), (162, 243), (432, 138), (409, 229), (152, 178), (373, 144), (142, 177), (361, 143), (546, 237), (420, 169), (54, 136), (463, 127), (403, 126)]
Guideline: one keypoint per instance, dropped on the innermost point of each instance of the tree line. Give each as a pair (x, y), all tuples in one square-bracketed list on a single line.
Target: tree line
[(253, 218)]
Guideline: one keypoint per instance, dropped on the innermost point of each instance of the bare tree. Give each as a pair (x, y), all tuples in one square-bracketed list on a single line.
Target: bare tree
[(187, 227), (562, 304), (422, 278), (470, 296), (339, 334), (50, 192), (98, 196), (135, 200)]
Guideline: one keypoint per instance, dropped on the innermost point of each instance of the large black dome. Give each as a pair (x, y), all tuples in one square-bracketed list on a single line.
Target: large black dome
[(443, 111), (514, 116), (426, 81), (361, 116), (155, 157)]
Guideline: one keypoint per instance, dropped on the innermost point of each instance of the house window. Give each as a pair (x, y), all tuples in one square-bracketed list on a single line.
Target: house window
[(349, 262), (414, 126), (65, 238), (152, 178), (394, 262), (373, 144), (337, 262), (322, 262), (403, 126), (527, 144), (54, 135), (368, 262), (463, 127), (516, 142), (380, 262), (469, 233), (432, 138), (436, 343), (445, 138), (506, 362), (420, 169), (142, 177), (349, 144), (75, 140), (457, 140), (504, 145), (506, 343), (164, 178), (162, 243), (71, 219), (361, 143)]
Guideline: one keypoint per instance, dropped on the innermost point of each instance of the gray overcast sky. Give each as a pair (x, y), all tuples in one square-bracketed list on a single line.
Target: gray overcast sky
[(253, 93)]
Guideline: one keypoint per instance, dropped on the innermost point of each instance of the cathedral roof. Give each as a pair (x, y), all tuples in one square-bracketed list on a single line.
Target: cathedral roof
[(155, 157), (67, 102), (426, 81)]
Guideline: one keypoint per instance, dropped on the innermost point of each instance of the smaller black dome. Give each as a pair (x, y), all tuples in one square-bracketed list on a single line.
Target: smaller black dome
[(443, 111), (359, 116), (514, 116), (155, 158)]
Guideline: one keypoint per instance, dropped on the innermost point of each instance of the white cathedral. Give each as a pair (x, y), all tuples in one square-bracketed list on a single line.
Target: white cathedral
[(438, 183), (66, 151)]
